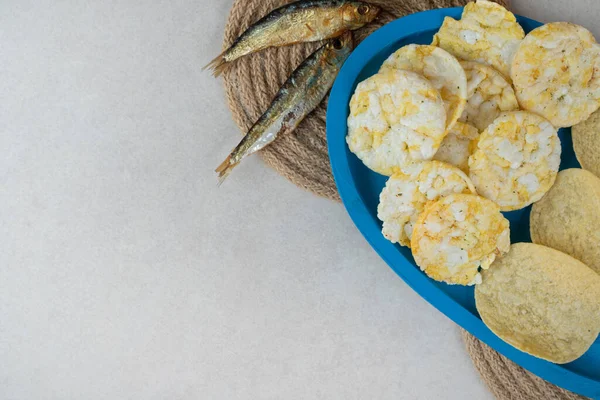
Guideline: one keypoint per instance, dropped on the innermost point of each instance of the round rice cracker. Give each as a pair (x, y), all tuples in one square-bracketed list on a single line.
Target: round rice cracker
[(441, 68), (396, 117), (542, 302), (408, 191), (516, 160), (457, 235), (586, 143), (458, 145), (556, 73), (489, 94), (568, 216), (487, 33)]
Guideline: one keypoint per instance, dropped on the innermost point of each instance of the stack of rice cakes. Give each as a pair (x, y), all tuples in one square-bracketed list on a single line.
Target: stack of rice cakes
[(466, 128)]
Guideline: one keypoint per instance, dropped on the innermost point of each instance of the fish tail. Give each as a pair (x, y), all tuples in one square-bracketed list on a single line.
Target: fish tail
[(217, 65), (225, 168)]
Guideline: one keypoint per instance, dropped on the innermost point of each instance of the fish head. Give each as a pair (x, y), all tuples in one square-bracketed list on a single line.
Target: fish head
[(358, 13), (341, 47)]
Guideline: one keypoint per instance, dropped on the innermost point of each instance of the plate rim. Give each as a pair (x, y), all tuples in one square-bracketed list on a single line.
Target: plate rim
[(403, 27)]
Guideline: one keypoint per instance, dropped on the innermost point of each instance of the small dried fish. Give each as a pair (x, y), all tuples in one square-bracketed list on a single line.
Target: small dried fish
[(298, 96), (302, 21)]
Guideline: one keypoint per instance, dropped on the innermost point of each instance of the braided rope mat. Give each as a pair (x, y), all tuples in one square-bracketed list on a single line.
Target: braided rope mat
[(250, 85)]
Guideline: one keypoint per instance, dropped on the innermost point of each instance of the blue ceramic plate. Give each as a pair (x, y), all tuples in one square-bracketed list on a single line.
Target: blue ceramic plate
[(359, 189)]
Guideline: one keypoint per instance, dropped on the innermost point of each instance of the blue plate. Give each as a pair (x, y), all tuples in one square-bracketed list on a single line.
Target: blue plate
[(359, 189)]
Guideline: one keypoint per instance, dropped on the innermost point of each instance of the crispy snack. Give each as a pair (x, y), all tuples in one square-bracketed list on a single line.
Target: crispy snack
[(516, 160), (407, 191), (396, 117), (488, 95), (586, 143), (458, 234), (487, 33), (541, 301), (556, 73), (458, 145), (441, 68), (568, 216)]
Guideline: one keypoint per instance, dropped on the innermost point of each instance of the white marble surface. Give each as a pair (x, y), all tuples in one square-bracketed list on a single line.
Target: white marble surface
[(126, 274)]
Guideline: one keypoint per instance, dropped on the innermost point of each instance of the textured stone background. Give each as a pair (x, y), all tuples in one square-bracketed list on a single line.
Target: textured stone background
[(124, 271)]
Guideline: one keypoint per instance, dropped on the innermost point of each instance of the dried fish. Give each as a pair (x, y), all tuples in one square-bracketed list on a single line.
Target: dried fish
[(302, 21), (298, 96)]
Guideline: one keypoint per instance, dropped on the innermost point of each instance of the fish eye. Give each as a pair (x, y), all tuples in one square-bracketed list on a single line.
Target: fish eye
[(337, 44), (363, 9)]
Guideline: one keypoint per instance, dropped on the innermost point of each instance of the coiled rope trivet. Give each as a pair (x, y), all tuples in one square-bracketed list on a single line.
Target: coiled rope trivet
[(301, 157)]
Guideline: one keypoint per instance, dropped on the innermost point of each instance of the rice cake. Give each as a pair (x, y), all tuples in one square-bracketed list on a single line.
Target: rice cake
[(408, 191), (488, 94), (516, 160), (396, 117), (441, 68), (458, 145), (457, 235), (556, 73), (487, 33)]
